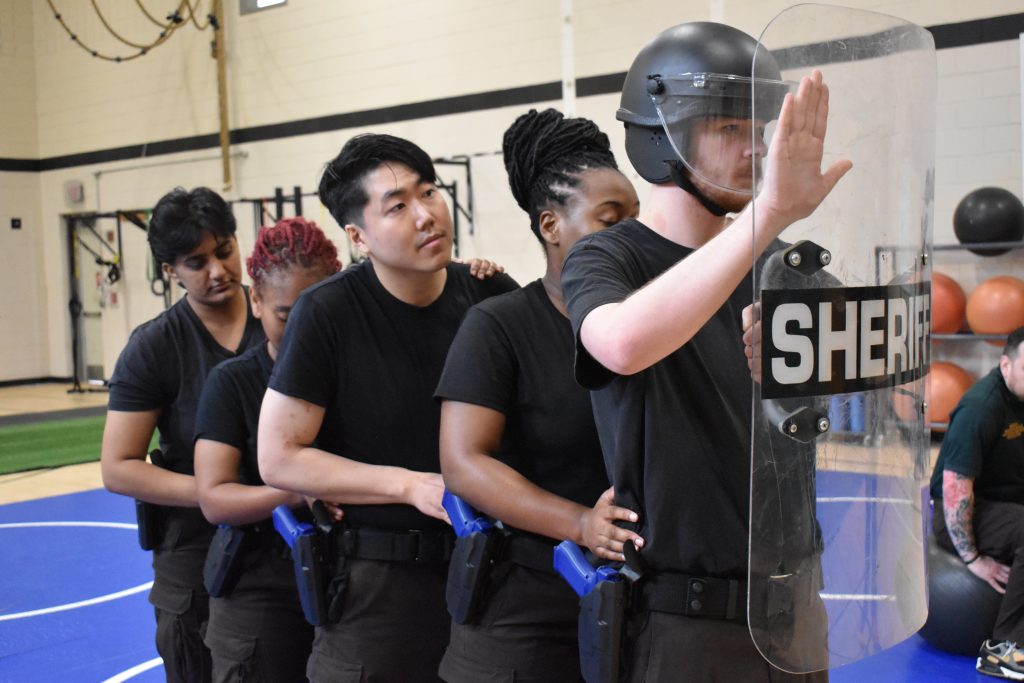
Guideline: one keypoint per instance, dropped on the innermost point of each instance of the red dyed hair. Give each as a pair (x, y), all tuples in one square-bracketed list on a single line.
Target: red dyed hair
[(291, 243)]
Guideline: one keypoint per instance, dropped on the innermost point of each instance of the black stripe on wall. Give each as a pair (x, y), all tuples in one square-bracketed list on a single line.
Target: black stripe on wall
[(975, 32)]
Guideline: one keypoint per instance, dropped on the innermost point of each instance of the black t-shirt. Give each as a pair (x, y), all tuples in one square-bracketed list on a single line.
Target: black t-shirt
[(514, 354), (985, 442), (676, 436), (229, 408), (229, 413), (163, 367), (372, 362)]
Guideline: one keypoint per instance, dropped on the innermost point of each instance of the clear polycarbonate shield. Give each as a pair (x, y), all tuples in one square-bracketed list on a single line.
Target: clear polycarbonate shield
[(708, 121), (840, 448)]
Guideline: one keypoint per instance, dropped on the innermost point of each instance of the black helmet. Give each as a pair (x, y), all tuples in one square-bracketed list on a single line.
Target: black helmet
[(688, 71)]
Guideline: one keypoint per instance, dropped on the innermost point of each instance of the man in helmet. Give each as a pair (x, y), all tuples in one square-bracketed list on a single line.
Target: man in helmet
[(656, 306)]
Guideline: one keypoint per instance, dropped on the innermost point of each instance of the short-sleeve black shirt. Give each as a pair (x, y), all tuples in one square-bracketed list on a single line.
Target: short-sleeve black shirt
[(229, 413), (676, 436), (514, 354), (985, 442), (229, 408), (164, 366), (372, 362)]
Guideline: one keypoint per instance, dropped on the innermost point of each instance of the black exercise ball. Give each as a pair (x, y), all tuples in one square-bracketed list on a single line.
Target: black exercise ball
[(961, 607), (989, 214)]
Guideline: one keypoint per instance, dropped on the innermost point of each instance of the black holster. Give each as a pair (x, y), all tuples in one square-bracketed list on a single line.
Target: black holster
[(336, 590), (223, 560), (311, 576), (148, 516), (470, 566), (601, 624)]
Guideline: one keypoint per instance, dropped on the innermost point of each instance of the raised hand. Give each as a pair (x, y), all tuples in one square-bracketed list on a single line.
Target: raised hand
[(794, 183)]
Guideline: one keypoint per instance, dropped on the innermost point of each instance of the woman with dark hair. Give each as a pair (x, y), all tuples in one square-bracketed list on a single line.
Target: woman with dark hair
[(156, 385), (518, 440), (257, 630)]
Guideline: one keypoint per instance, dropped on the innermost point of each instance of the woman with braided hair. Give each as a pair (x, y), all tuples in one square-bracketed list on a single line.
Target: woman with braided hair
[(518, 440), (256, 630)]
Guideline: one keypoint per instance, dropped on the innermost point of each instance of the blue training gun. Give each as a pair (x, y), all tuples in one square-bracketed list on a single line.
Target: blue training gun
[(307, 546), (602, 611), (475, 547)]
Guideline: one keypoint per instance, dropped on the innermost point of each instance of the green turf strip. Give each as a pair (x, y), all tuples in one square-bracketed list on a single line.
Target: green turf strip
[(51, 444)]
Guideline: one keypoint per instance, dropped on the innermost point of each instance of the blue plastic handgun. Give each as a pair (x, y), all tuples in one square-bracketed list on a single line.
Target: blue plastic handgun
[(581, 575), (475, 548), (465, 521), (306, 544), (602, 612)]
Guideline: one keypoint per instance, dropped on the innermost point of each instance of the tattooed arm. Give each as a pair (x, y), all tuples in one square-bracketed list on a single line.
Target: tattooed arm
[(958, 510)]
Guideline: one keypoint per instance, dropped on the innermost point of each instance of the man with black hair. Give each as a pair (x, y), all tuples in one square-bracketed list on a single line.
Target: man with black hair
[(156, 385), (655, 305), (349, 416), (978, 491)]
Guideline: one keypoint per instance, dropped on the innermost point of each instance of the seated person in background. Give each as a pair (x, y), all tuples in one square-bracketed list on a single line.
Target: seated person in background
[(257, 630), (978, 493), (518, 440), (349, 415)]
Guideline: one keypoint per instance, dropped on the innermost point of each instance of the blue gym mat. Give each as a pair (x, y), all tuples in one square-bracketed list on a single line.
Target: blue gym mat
[(52, 625), (47, 566)]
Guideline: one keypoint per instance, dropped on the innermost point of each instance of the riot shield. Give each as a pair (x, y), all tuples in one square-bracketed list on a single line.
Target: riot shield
[(839, 446)]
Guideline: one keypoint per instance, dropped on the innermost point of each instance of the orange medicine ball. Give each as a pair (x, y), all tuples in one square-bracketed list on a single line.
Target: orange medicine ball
[(945, 385), (996, 306), (948, 304)]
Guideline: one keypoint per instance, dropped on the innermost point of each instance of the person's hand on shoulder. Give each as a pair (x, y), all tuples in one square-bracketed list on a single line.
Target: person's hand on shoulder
[(481, 268)]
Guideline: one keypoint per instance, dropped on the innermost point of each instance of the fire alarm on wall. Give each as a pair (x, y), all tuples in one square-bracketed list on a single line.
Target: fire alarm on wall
[(74, 192)]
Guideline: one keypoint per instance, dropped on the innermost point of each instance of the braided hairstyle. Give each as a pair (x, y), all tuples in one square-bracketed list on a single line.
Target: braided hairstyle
[(291, 243), (545, 155)]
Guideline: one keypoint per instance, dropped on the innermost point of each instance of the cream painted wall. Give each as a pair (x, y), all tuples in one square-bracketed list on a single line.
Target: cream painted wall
[(314, 58), (26, 289), (20, 135)]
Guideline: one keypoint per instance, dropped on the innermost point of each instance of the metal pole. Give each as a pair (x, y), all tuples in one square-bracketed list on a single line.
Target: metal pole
[(220, 50)]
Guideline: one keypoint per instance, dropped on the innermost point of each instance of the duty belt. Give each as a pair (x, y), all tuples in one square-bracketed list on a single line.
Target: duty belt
[(692, 596), (529, 552), (365, 543)]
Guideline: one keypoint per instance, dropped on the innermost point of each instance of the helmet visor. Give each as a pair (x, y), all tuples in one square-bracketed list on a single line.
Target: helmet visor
[(709, 121)]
